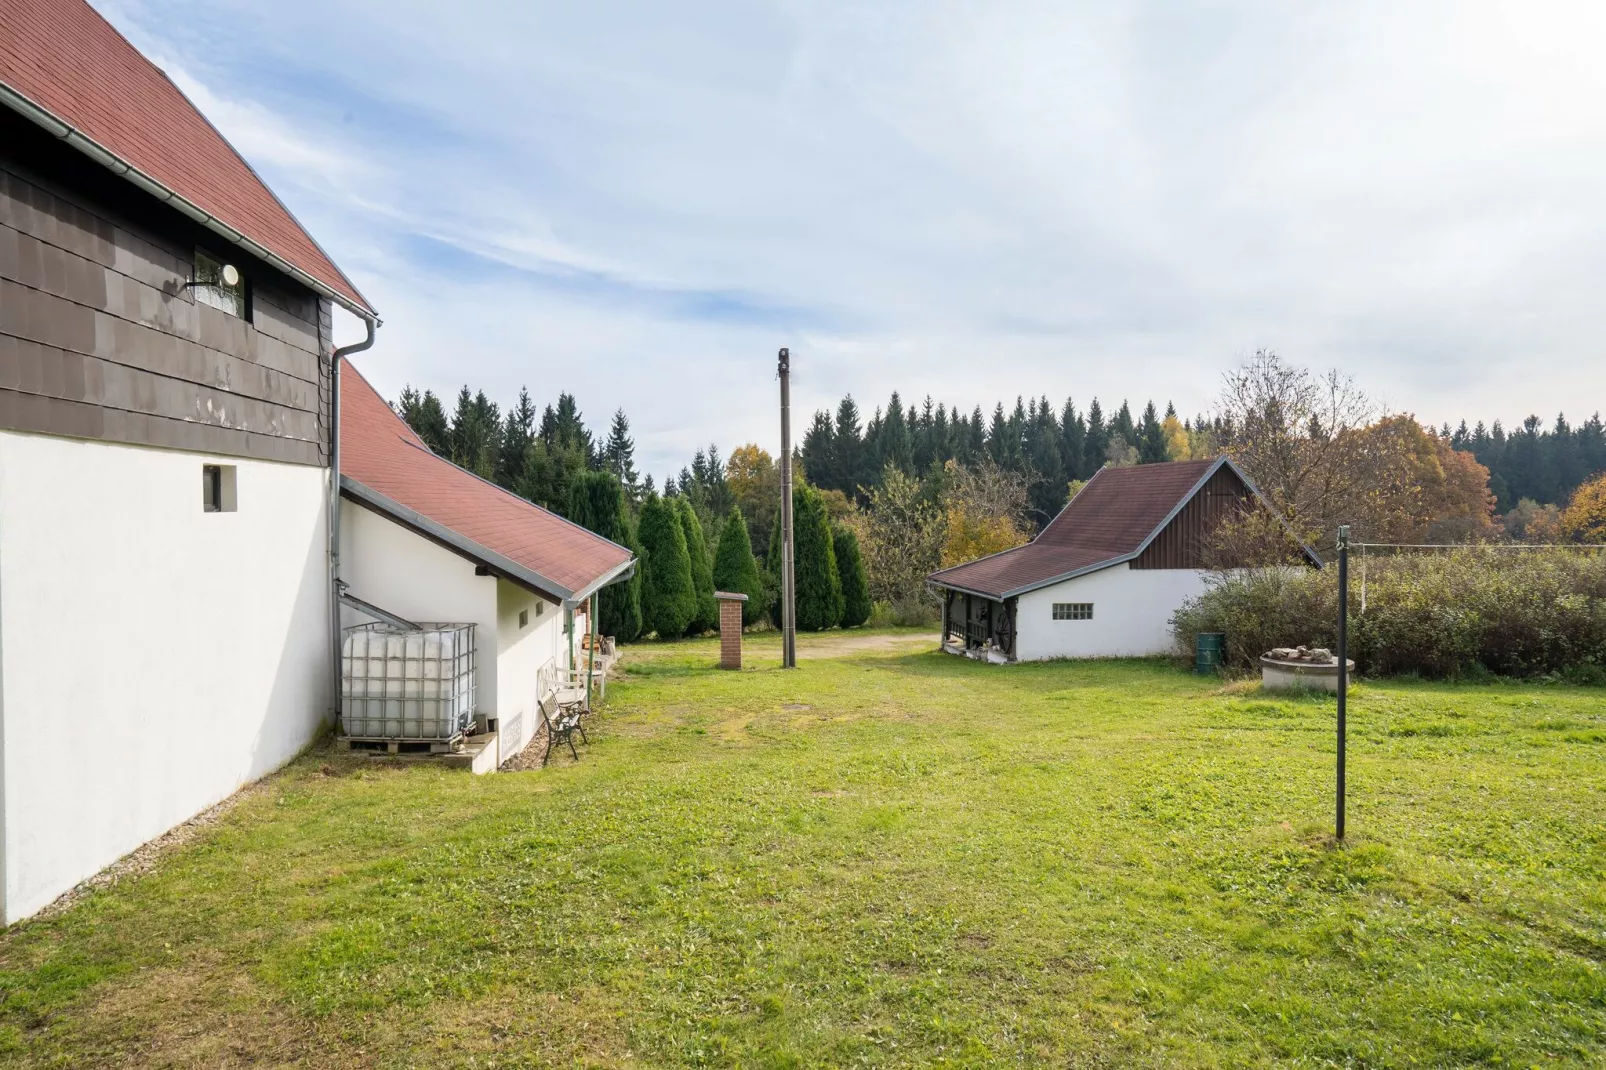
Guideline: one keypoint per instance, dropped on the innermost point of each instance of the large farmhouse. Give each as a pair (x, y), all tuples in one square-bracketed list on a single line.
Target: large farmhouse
[(170, 534), (1104, 577)]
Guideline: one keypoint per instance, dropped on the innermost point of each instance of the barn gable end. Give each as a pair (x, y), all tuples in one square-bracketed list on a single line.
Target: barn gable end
[(1183, 543)]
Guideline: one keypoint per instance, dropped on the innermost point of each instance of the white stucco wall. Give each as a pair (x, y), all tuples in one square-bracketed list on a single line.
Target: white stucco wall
[(153, 657), (1132, 610), (521, 653), (418, 579)]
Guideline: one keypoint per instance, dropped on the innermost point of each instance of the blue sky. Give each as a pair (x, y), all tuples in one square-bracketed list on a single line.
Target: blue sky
[(638, 203)]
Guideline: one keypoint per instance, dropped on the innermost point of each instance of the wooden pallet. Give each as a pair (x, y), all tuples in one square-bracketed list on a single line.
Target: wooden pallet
[(399, 746)]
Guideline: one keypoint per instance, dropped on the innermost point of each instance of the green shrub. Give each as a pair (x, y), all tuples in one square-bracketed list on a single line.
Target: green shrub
[(904, 615), (702, 574), (817, 587), (855, 585), (668, 600), (736, 571), (1443, 613)]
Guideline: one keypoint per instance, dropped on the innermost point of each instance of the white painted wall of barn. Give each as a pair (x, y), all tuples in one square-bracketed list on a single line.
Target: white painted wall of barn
[(1132, 610), (154, 657)]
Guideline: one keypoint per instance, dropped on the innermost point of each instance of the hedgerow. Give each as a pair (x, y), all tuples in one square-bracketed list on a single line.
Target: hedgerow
[(1437, 614)]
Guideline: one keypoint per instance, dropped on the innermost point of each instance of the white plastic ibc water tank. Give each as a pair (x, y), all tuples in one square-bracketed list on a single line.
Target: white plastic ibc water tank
[(403, 683)]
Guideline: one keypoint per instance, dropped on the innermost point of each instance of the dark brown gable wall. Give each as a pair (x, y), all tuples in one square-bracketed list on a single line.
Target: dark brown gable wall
[(99, 341), (1181, 543)]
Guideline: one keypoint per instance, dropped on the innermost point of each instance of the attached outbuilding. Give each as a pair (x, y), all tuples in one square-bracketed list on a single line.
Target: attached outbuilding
[(422, 540), (1105, 576)]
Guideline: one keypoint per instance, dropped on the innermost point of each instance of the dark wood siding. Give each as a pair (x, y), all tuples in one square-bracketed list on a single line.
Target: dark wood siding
[(99, 339), (1183, 542)]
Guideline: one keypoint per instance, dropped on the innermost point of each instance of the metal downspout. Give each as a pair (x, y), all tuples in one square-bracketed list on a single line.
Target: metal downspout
[(334, 504)]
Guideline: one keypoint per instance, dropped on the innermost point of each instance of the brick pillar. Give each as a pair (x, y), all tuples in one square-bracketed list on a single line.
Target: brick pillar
[(730, 629)]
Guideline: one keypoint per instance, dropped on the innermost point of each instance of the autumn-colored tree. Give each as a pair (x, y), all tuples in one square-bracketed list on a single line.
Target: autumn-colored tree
[(984, 511), (1531, 522), (1419, 489), (1296, 435), (1584, 519), (1177, 444), (754, 480), (1322, 455)]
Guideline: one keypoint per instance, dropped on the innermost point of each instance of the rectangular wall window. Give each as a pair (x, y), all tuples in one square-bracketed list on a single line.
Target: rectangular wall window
[(1073, 610), (212, 286), (524, 617), (218, 488)]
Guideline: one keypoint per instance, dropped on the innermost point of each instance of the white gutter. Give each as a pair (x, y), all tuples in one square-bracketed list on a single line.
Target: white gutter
[(117, 165)]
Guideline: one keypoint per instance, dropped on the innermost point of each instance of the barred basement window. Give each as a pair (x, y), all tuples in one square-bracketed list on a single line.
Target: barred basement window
[(1073, 610)]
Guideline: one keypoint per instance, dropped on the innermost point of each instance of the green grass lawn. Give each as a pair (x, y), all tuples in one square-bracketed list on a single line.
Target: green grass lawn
[(889, 857)]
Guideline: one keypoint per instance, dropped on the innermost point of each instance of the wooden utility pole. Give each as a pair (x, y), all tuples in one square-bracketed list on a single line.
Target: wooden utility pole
[(788, 587)]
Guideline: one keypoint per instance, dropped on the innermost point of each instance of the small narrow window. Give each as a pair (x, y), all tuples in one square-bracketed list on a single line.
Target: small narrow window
[(220, 285), (217, 488), (1073, 610), (524, 617)]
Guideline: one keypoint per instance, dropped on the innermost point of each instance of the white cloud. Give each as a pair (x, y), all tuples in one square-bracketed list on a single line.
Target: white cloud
[(639, 203)]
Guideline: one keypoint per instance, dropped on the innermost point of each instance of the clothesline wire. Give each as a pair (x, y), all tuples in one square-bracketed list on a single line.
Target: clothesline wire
[(1480, 545), (1364, 546)]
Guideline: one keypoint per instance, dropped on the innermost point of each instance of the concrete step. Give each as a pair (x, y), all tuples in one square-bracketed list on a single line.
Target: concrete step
[(479, 755)]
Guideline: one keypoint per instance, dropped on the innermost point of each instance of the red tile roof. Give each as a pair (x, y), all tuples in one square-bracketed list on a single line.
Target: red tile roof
[(67, 60), (1108, 521), (386, 466)]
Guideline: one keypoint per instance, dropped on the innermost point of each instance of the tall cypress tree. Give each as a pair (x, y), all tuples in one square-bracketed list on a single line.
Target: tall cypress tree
[(855, 584), (668, 600), (735, 570), (819, 588), (597, 503), (702, 573)]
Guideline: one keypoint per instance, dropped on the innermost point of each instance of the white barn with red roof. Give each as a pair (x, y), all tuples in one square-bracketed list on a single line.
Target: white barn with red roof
[(426, 540), (1105, 576)]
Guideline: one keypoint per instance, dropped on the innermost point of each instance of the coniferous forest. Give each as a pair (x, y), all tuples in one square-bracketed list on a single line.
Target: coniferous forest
[(955, 484)]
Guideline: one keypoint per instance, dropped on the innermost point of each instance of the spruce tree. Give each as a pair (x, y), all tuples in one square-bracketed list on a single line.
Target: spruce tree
[(597, 503), (619, 454), (702, 574), (1151, 438), (855, 584), (425, 415), (735, 570), (668, 600)]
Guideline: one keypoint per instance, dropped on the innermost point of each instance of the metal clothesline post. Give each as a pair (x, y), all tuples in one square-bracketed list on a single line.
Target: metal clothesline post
[(1343, 664)]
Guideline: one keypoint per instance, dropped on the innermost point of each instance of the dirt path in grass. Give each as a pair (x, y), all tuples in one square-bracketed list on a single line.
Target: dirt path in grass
[(838, 644)]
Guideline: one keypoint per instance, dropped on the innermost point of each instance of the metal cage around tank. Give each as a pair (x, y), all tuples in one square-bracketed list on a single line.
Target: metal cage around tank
[(407, 683)]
